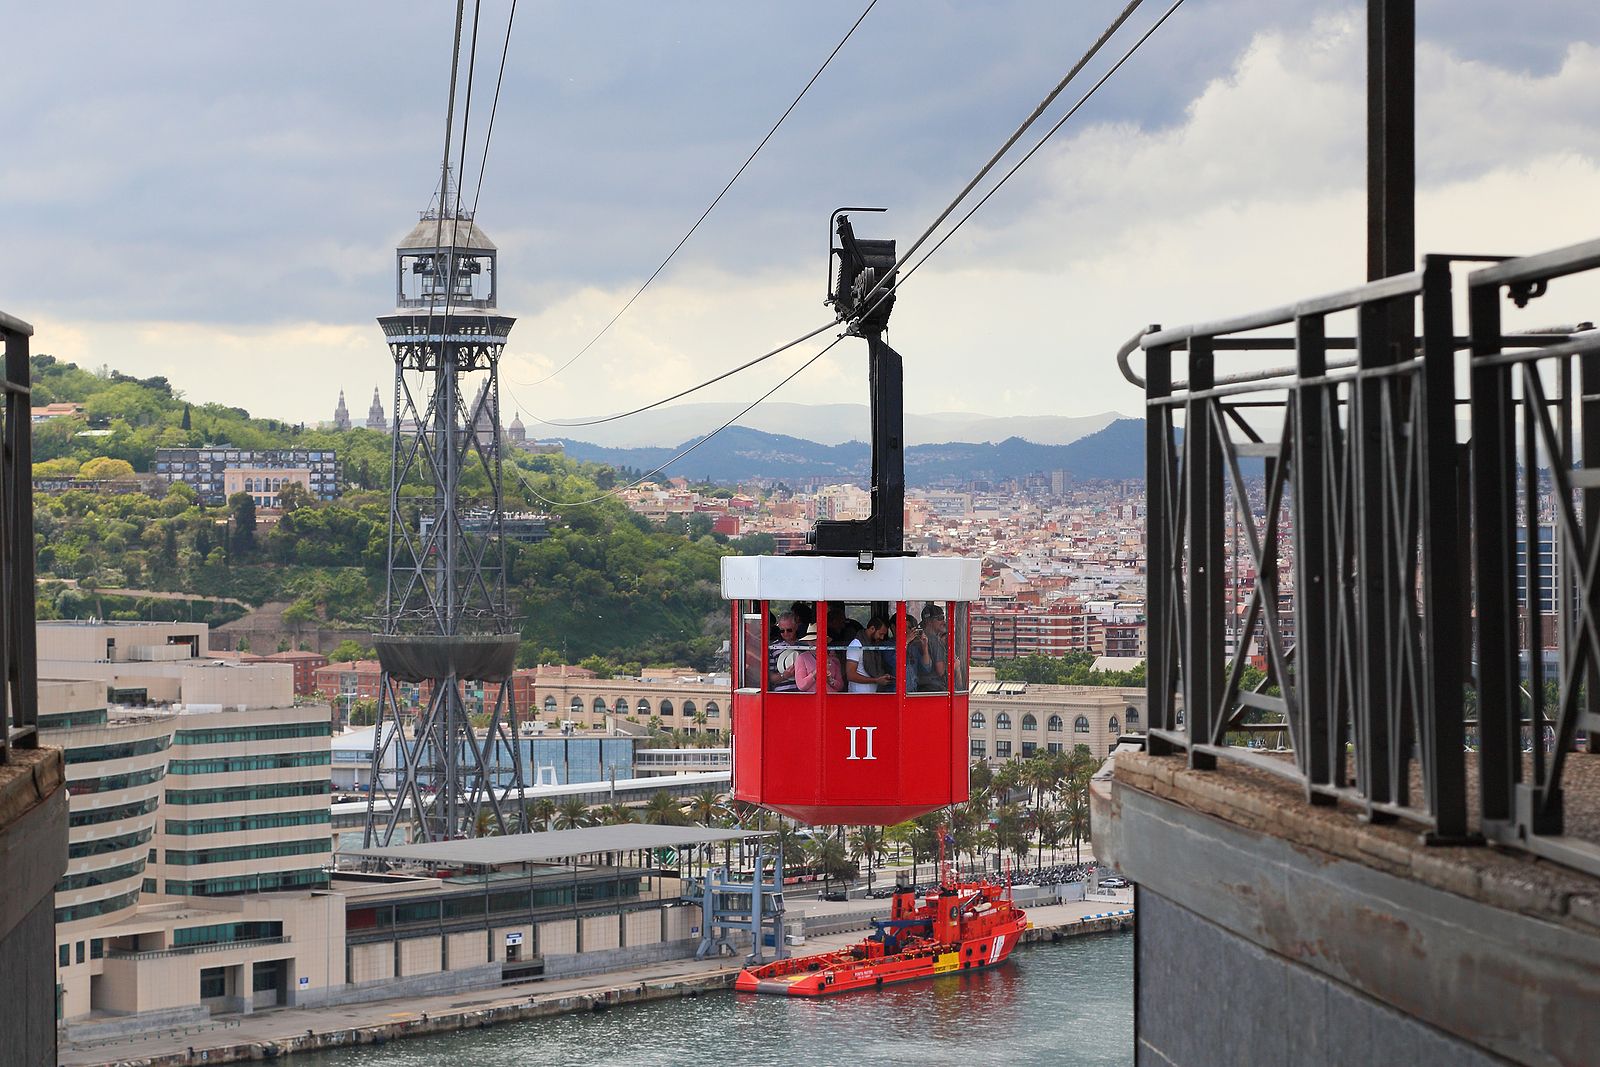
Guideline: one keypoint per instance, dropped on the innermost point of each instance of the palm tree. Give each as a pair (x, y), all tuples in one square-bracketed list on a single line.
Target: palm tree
[(1075, 819), (925, 841), (1007, 779), (980, 779), (899, 837), (662, 810), (614, 814), (828, 853), (541, 811), (867, 843), (787, 838), (571, 814), (706, 806), (483, 823), (1042, 822)]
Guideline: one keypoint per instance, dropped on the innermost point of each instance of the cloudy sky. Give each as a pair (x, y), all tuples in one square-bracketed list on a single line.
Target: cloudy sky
[(213, 191)]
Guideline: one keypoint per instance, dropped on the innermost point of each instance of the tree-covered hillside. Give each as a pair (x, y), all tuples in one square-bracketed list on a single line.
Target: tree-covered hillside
[(605, 583)]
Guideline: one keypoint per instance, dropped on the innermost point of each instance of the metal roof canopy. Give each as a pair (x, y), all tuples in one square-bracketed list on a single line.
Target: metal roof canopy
[(553, 844)]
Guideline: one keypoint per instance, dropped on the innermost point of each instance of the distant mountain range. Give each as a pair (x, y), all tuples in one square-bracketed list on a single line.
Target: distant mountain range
[(828, 424), (740, 454)]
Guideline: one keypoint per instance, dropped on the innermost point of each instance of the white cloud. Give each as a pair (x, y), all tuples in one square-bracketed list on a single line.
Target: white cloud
[(1252, 195)]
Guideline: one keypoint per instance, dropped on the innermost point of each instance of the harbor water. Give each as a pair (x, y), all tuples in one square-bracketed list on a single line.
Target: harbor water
[(1067, 1004)]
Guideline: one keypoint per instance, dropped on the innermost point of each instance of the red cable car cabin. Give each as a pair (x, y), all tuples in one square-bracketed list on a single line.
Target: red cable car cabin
[(835, 724)]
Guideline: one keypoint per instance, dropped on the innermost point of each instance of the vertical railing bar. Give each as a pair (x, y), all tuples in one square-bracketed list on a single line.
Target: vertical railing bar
[(1532, 542), (1313, 566), (1202, 660), (1369, 500), (1158, 548), (1493, 479), (1444, 545), (1589, 452)]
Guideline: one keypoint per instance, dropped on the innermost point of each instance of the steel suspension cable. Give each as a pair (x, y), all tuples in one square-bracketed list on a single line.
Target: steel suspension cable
[(1062, 121), (715, 201), (693, 388), (651, 474)]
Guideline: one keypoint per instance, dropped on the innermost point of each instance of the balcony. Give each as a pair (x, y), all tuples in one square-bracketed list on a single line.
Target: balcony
[(194, 950)]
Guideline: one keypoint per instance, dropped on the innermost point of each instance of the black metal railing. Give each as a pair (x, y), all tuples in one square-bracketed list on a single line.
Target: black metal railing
[(1354, 477), (18, 662), (1536, 465)]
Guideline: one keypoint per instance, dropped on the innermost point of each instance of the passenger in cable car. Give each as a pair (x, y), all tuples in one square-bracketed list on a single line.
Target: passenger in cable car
[(783, 654), (805, 671), (925, 652), (855, 669)]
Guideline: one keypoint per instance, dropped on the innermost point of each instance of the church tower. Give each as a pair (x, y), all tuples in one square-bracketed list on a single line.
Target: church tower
[(341, 414), (375, 417)]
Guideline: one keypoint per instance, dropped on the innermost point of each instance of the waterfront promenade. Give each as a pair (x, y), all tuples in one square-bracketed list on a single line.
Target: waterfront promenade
[(245, 1037)]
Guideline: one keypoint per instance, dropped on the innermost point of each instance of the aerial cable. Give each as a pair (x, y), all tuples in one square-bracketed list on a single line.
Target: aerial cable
[(693, 388), (1016, 135), (1062, 121), (483, 163), (1076, 69), (900, 280), (651, 474), (715, 201)]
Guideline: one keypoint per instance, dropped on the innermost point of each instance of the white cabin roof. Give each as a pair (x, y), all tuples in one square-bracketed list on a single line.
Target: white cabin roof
[(892, 578)]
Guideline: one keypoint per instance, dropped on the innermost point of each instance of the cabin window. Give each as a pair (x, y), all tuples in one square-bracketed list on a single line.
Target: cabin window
[(927, 648)]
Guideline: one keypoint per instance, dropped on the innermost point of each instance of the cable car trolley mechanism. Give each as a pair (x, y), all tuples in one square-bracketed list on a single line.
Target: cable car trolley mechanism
[(850, 658)]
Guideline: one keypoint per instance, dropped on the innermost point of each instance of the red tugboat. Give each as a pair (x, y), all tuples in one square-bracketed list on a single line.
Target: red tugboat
[(959, 926)]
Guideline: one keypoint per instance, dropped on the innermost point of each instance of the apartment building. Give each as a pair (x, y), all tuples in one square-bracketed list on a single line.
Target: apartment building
[(205, 470), (1016, 720), (247, 773), (116, 762)]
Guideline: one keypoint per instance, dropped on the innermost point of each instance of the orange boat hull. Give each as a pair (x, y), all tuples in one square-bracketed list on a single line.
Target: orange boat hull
[(842, 972)]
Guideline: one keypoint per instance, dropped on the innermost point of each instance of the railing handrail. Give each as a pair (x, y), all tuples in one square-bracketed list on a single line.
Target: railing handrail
[(1392, 288), (1398, 581)]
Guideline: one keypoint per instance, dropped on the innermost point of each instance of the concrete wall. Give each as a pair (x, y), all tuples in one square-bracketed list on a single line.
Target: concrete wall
[(419, 955), (465, 951), (33, 854), (371, 963), (558, 937), (617, 959), (1206, 996), (1271, 931), (642, 928), (601, 932)]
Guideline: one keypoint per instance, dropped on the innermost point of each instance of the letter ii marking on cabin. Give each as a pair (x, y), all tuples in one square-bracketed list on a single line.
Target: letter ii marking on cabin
[(869, 731)]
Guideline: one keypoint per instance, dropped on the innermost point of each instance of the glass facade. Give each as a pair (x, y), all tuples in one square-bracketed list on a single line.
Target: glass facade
[(241, 823), (234, 853), (239, 793), (96, 907), (240, 734), (127, 750), (235, 764)]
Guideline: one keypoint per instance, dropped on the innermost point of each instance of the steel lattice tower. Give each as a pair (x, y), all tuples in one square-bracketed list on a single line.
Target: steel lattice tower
[(448, 645)]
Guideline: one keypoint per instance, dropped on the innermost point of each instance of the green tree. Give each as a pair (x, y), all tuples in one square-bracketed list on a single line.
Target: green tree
[(662, 810), (104, 468), (572, 814), (348, 651), (242, 521), (828, 855), (867, 842)]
